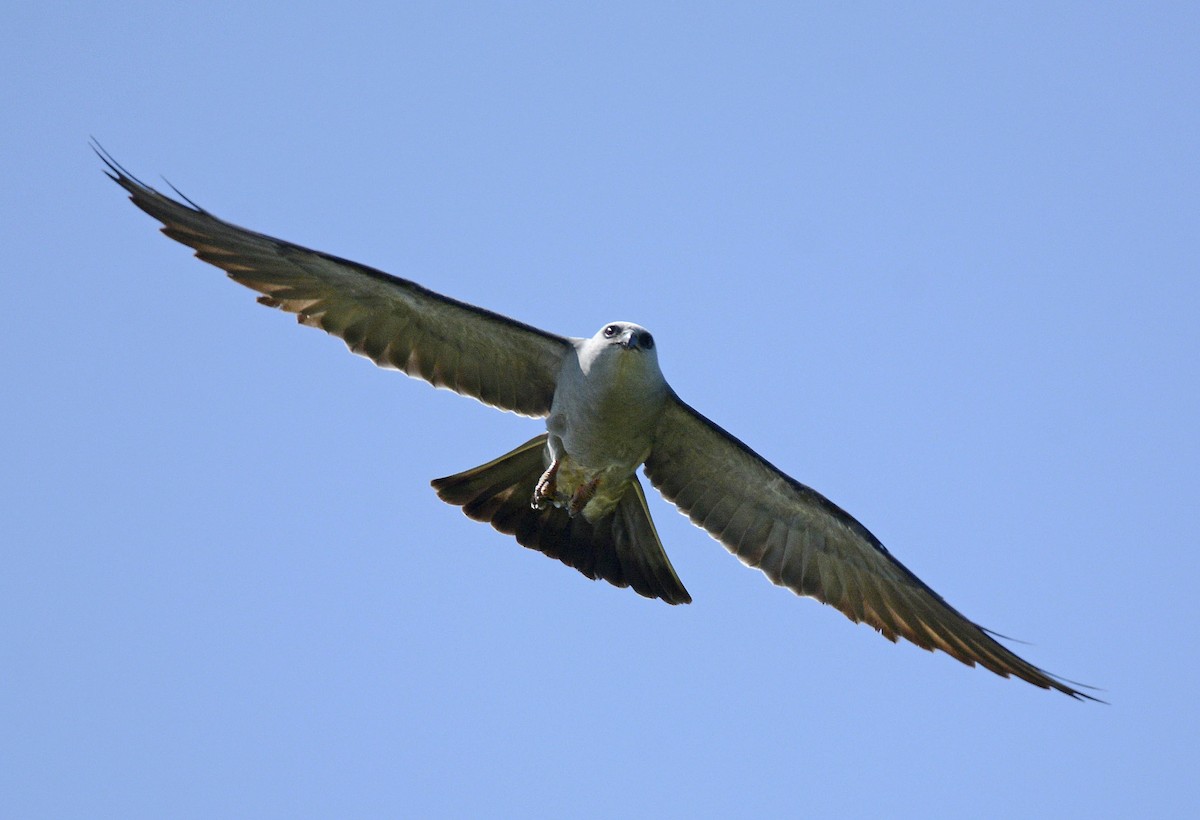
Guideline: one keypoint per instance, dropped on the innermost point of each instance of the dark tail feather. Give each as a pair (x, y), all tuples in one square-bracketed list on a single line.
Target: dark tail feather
[(621, 548)]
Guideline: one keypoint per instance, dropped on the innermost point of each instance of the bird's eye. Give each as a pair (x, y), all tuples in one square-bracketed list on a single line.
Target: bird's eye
[(610, 331), (647, 341)]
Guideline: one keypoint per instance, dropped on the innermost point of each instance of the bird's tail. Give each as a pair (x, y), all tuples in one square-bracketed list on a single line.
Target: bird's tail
[(621, 547)]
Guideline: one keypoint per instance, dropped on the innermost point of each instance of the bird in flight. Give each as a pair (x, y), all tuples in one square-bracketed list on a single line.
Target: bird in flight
[(573, 492)]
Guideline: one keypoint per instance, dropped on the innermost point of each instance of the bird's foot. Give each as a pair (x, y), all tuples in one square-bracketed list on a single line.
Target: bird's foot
[(547, 487), (582, 496)]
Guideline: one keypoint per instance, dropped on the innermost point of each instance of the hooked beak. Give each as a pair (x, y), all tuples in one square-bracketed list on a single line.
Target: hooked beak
[(633, 341)]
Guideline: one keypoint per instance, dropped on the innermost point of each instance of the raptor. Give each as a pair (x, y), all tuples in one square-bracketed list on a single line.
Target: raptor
[(573, 492)]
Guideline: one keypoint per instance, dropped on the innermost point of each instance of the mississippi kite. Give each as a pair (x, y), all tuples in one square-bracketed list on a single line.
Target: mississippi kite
[(573, 492)]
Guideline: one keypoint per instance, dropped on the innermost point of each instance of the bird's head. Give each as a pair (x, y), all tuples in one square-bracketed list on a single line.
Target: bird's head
[(626, 335), (622, 347)]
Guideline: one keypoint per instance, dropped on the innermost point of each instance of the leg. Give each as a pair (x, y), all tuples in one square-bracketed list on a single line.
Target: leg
[(547, 487), (582, 496)]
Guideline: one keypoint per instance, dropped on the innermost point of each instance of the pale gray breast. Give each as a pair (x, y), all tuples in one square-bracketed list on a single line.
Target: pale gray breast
[(607, 405)]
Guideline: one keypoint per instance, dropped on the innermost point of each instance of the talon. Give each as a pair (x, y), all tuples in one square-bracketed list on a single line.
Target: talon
[(547, 487), (582, 496)]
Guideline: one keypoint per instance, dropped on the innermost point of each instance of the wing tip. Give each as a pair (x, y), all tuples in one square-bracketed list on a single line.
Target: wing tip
[(116, 172), (139, 192)]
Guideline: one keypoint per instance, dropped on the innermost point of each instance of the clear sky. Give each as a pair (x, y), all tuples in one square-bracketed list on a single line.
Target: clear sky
[(939, 262)]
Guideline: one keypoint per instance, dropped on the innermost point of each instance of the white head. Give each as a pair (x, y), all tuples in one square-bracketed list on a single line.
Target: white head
[(626, 335), (624, 346)]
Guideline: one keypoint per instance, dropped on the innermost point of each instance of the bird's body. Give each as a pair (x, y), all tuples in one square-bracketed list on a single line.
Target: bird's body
[(573, 492), (607, 405)]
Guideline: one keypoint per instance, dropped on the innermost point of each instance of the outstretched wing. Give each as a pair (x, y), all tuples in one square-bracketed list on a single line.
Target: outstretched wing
[(394, 322), (804, 542)]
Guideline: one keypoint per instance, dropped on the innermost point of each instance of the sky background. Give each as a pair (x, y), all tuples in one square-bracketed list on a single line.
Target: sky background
[(938, 261)]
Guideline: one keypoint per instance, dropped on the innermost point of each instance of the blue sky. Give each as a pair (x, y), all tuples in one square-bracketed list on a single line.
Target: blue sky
[(938, 262)]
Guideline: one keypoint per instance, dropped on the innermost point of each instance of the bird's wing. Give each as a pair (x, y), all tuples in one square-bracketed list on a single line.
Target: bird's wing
[(394, 322), (804, 542)]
